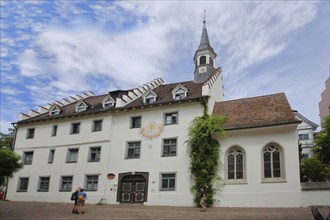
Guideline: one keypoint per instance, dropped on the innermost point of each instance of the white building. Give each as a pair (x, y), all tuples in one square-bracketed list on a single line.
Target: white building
[(129, 146), (305, 134)]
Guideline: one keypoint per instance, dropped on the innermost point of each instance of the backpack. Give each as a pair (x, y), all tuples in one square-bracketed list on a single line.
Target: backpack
[(81, 198), (73, 196)]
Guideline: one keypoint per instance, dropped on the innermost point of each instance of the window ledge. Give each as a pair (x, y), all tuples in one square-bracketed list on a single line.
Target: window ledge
[(274, 180), (235, 182), (64, 190), (168, 156), (167, 190)]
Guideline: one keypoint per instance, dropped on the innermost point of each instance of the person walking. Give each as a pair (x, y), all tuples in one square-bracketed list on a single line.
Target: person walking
[(203, 199), (82, 196), (74, 197)]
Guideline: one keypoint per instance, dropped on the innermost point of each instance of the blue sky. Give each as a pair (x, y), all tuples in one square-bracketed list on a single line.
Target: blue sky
[(51, 50)]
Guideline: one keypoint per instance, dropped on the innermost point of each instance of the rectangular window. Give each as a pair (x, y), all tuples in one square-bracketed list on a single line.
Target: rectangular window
[(28, 157), (276, 165), (97, 125), (267, 165), (51, 156), (91, 182), (303, 137), (30, 133), (75, 128), (133, 150), (169, 147), (66, 183), (94, 154), (72, 156), (43, 184), (54, 130), (239, 166), (149, 100), (136, 122), (179, 96), (168, 182), (23, 184), (171, 118), (231, 166)]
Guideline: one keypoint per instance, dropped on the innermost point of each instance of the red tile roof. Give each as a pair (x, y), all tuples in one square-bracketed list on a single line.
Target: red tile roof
[(94, 103), (255, 112)]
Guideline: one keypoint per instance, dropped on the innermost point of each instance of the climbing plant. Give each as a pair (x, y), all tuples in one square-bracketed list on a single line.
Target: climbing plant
[(204, 152)]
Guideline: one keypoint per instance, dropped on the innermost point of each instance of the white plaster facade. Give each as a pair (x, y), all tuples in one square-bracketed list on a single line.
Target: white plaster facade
[(148, 176), (254, 190)]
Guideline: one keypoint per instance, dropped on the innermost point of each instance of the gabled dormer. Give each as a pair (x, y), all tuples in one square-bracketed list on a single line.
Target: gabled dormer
[(149, 97), (108, 102), (81, 106), (179, 92), (54, 110)]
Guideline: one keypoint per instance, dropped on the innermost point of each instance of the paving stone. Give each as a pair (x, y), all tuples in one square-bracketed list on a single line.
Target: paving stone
[(45, 211)]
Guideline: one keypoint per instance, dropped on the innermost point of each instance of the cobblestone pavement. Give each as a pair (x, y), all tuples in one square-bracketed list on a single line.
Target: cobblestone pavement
[(45, 211)]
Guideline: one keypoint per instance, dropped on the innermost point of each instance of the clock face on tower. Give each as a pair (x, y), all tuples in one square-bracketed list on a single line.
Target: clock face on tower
[(202, 69)]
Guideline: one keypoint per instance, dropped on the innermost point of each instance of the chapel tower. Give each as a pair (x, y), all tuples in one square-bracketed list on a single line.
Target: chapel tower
[(204, 57)]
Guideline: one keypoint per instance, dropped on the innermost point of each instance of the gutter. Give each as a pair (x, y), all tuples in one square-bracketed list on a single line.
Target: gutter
[(261, 126)]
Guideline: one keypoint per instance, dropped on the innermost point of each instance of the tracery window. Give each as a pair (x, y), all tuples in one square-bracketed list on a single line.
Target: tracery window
[(272, 161), (235, 164)]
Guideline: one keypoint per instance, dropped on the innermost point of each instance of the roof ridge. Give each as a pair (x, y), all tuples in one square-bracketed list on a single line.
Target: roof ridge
[(260, 96)]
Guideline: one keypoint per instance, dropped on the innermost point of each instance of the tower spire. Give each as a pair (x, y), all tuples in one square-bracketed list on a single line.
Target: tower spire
[(204, 16), (204, 56)]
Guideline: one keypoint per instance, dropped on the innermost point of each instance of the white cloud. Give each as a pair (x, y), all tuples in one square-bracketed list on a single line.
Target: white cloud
[(10, 91), (66, 49), (30, 64), (252, 32)]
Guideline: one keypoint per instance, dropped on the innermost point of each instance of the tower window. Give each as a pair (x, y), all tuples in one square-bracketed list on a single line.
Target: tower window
[(211, 61), (202, 60)]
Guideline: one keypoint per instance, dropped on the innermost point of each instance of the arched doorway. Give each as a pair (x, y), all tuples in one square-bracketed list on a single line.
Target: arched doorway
[(133, 187)]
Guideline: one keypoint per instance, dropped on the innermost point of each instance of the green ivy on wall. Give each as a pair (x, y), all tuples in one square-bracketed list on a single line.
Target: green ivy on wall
[(204, 152)]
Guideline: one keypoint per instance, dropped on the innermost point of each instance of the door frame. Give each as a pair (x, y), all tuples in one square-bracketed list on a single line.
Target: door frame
[(121, 176)]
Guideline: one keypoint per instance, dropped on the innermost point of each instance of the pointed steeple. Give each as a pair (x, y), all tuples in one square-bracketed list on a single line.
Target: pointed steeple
[(205, 43), (204, 56)]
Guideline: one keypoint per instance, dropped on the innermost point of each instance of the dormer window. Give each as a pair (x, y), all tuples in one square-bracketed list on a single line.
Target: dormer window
[(54, 110), (179, 92), (108, 102), (150, 98), (81, 106)]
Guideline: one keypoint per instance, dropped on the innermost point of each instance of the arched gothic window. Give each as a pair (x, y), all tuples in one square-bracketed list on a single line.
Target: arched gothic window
[(202, 60), (235, 164), (272, 156)]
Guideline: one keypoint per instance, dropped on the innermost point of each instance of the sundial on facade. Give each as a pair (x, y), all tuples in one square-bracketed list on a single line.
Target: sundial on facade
[(151, 131)]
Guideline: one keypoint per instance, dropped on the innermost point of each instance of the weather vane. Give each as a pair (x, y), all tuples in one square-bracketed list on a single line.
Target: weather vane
[(204, 16)]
